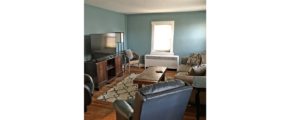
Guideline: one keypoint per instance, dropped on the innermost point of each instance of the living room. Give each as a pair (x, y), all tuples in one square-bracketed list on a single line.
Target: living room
[(42, 63), (136, 24)]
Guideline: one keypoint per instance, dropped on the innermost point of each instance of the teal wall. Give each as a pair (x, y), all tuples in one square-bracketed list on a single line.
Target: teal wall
[(99, 20), (189, 31)]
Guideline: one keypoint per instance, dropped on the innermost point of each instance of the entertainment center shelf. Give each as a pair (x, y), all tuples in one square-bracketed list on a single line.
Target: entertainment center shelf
[(108, 69), (103, 56)]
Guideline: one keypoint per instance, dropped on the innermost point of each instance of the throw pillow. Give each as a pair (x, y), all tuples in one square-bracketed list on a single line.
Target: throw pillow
[(129, 54), (194, 59), (198, 70), (203, 59)]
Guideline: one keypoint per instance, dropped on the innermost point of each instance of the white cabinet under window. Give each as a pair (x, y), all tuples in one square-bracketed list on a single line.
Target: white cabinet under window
[(169, 61)]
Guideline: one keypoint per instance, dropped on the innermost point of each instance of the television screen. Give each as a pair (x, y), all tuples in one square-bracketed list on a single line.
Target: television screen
[(102, 45)]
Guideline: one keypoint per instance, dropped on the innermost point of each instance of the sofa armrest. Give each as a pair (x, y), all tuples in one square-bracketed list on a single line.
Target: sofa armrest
[(123, 109), (199, 82), (185, 78)]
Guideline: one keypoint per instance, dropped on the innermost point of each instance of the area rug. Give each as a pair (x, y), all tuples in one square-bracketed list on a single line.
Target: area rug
[(123, 90)]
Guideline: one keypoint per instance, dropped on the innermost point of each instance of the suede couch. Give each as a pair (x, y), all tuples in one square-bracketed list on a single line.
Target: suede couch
[(192, 68)]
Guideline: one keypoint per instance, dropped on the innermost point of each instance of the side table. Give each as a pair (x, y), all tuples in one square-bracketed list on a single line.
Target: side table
[(199, 84)]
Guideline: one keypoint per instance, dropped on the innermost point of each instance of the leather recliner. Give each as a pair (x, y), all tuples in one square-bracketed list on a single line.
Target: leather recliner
[(90, 69), (88, 90), (162, 101)]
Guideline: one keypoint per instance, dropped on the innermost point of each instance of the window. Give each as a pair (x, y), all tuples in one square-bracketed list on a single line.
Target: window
[(111, 40), (162, 37)]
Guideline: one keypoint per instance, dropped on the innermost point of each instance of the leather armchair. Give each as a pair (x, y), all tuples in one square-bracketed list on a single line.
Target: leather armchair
[(91, 70), (162, 101), (88, 90)]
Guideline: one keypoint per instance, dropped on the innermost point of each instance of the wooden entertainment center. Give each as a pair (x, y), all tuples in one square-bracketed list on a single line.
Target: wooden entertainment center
[(103, 62), (108, 69)]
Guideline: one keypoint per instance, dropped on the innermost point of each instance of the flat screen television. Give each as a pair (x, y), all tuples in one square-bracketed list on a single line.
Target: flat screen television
[(102, 45)]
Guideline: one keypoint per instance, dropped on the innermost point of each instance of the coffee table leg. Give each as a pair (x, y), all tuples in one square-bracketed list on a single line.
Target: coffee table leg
[(162, 78)]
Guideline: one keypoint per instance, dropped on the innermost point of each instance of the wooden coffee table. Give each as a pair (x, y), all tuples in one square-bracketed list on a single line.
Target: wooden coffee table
[(150, 75)]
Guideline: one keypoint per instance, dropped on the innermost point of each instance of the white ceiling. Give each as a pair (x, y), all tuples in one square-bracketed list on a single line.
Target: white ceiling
[(148, 6)]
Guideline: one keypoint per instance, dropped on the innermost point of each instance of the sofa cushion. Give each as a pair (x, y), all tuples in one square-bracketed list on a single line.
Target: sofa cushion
[(198, 70), (182, 74), (203, 58), (184, 68)]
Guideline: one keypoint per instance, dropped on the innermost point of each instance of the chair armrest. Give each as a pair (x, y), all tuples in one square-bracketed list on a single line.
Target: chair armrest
[(89, 82), (124, 109), (87, 95)]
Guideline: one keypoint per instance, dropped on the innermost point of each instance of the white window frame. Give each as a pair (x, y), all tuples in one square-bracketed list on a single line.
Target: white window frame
[(155, 52)]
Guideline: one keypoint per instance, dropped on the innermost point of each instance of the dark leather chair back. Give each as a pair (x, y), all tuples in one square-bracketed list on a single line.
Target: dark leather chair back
[(163, 101), (88, 90), (90, 69), (88, 80)]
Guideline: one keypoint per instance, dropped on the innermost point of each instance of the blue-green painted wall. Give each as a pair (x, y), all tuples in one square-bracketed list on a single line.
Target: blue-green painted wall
[(99, 20), (189, 31)]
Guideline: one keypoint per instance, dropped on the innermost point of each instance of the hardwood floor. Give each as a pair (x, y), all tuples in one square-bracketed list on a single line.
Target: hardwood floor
[(100, 110)]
